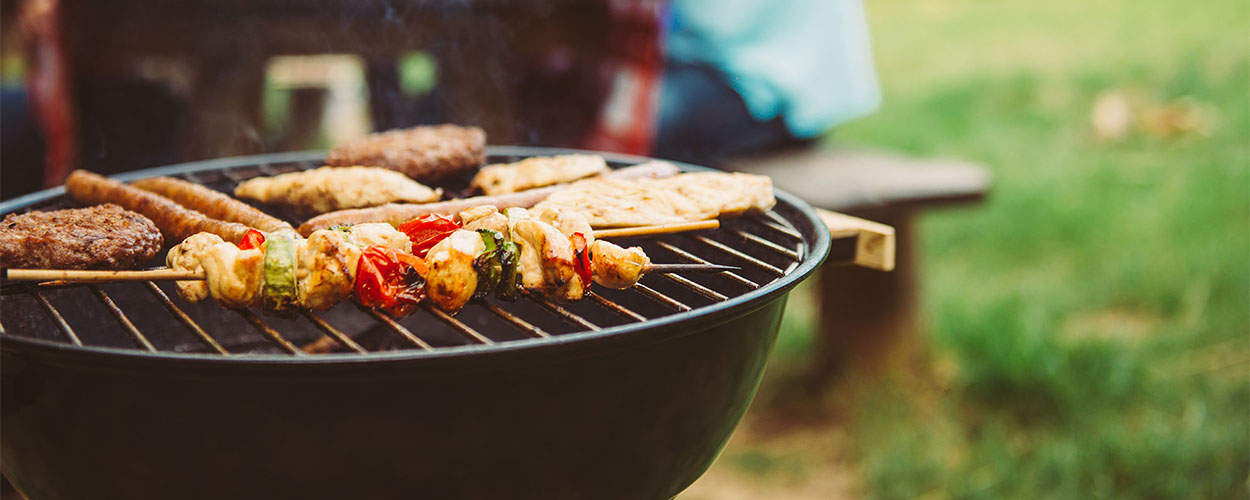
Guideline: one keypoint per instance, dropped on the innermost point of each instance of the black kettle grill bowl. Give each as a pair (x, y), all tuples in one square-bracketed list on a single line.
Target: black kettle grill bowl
[(634, 411)]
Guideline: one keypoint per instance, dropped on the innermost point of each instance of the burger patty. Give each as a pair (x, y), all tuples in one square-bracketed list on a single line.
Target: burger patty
[(99, 237), (423, 153)]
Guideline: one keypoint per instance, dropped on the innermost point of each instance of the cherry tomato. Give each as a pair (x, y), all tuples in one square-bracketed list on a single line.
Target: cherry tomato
[(389, 281)]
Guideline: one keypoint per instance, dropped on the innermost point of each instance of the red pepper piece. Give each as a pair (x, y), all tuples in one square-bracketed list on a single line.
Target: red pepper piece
[(427, 230), (582, 262), (252, 239)]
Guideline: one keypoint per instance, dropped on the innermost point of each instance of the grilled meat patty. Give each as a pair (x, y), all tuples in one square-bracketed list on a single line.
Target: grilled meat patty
[(423, 153), (98, 237)]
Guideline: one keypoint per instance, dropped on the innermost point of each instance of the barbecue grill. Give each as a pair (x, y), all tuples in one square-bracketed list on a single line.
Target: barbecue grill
[(126, 391)]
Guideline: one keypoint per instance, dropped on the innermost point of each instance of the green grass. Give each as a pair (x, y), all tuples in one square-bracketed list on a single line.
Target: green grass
[(1096, 309)]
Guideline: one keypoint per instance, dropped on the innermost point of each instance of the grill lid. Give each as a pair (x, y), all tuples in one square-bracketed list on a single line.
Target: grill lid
[(774, 250)]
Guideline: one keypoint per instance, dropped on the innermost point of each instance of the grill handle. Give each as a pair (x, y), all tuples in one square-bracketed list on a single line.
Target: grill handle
[(874, 245)]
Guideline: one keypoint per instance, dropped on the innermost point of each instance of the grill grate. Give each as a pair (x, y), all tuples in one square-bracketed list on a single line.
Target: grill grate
[(766, 247)]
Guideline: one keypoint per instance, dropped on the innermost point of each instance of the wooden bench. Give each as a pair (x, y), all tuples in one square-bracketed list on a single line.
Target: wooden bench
[(867, 315)]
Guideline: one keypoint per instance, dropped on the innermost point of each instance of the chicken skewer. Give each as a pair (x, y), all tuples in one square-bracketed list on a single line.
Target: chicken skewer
[(166, 274), (374, 263)]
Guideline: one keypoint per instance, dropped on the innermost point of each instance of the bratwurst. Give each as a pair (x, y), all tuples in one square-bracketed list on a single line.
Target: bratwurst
[(176, 222), (211, 203)]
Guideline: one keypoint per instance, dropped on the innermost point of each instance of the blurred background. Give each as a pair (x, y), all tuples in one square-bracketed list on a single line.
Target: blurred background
[(1079, 329)]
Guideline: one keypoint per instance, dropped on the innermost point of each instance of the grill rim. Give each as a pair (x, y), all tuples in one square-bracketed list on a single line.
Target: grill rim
[(669, 326)]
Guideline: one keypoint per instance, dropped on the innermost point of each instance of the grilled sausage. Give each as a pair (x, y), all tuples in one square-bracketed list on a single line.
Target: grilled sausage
[(175, 221), (211, 203), (396, 213)]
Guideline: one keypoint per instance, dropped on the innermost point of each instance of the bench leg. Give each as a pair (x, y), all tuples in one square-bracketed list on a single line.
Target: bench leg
[(868, 319)]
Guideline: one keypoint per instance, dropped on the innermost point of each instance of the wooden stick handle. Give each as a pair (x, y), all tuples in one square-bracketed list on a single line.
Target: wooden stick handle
[(657, 229), (874, 247), (97, 276)]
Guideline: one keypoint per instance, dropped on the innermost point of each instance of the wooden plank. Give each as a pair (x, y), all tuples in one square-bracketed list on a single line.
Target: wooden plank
[(875, 243)]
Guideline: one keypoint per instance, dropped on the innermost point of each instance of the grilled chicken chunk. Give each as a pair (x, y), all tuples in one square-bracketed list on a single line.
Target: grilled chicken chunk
[(381, 234), (451, 279), (186, 256), (568, 222), (485, 217), (546, 263), (608, 202), (234, 276), (325, 269), (616, 267), (327, 189), (537, 172)]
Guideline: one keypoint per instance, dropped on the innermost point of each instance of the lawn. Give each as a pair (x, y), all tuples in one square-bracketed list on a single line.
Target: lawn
[(1088, 327)]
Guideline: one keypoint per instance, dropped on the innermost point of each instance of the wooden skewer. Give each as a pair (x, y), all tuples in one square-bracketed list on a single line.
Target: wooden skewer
[(162, 274), (176, 275), (657, 229), (98, 276)]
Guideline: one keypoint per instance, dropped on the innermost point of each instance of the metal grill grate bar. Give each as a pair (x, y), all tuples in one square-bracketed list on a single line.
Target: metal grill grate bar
[(57, 318), (793, 255), (457, 324), (771, 236), (754, 261), (186, 320), (395, 327), (120, 316), (694, 258), (525, 326), (617, 308), (330, 330), (268, 169), (652, 294), (273, 335), (231, 176), (695, 287), (777, 222), (560, 311)]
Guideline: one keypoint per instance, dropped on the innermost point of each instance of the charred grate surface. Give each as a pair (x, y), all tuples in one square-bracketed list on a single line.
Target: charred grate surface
[(148, 316)]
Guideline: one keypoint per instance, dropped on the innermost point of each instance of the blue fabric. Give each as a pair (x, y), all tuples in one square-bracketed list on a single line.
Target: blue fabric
[(807, 61), (704, 121)]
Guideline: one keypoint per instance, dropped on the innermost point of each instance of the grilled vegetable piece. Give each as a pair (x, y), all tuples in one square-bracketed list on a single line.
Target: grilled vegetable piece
[(426, 231), (326, 189), (389, 280), (253, 239), (509, 256), (211, 203), (279, 288), (487, 264), (537, 171)]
